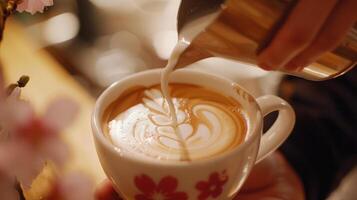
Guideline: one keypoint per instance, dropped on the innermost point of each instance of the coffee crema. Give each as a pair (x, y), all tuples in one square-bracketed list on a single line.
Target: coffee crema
[(208, 123)]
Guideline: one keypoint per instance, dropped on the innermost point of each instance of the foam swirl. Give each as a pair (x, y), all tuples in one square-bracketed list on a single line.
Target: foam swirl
[(205, 126)]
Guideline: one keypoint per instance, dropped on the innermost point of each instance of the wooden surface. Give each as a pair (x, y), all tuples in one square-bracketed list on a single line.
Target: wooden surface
[(20, 56)]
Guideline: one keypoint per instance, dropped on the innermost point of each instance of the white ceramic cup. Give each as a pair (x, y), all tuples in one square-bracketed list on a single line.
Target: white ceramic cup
[(220, 177)]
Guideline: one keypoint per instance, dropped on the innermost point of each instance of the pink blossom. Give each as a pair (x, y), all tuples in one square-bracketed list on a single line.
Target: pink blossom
[(14, 111), (33, 6), (33, 140), (60, 113), (28, 141), (72, 186), (17, 159)]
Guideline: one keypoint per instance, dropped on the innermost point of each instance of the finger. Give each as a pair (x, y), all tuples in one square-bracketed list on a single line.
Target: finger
[(297, 33), (106, 192), (338, 24)]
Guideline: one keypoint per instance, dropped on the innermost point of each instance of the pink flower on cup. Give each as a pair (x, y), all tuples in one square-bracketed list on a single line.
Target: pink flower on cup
[(213, 187), (166, 189)]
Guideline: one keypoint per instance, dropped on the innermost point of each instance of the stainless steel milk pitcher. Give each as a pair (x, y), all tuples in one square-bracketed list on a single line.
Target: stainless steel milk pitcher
[(243, 28)]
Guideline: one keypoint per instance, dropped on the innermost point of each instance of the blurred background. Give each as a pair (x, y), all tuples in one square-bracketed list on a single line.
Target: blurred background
[(102, 41)]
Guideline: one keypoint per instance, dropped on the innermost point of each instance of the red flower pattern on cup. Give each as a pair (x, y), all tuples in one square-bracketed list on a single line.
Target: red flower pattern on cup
[(213, 187), (165, 190)]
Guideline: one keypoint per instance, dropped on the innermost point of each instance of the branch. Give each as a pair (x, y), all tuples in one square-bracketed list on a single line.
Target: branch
[(6, 9)]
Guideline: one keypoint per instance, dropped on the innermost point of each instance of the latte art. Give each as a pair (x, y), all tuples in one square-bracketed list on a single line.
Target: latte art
[(207, 123)]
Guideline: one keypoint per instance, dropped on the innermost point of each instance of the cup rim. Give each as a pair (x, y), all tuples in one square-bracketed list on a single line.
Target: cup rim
[(99, 136)]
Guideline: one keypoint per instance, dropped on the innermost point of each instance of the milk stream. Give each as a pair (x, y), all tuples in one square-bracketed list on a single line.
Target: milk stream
[(165, 75), (188, 33)]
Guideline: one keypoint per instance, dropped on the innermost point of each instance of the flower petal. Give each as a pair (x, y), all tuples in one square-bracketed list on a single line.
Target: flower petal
[(145, 184), (204, 195), (214, 178), (217, 191), (177, 196), (142, 197), (223, 177), (167, 185), (23, 161), (31, 168), (14, 113), (15, 94), (22, 6), (61, 113), (33, 6), (54, 149), (202, 185)]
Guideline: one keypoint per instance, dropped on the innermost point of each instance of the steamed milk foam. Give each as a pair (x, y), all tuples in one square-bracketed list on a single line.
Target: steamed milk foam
[(208, 123), (188, 123)]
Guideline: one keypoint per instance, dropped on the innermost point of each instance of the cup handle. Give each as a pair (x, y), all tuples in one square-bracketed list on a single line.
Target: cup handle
[(281, 128)]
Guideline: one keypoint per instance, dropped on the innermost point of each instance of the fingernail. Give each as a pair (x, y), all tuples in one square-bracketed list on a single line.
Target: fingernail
[(265, 66), (265, 62)]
